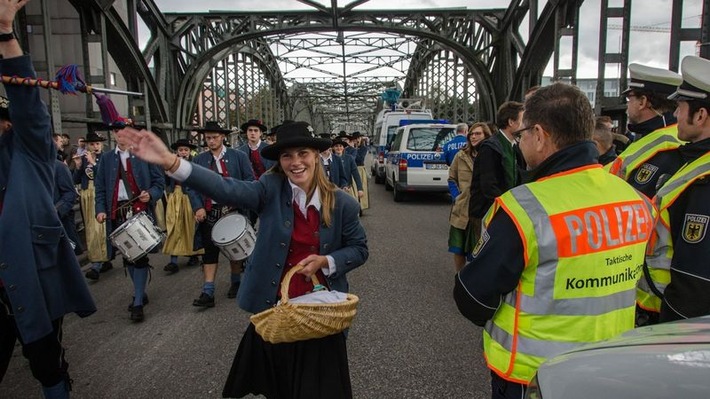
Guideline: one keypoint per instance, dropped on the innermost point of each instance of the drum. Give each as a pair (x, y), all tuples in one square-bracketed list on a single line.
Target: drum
[(234, 236), (136, 236)]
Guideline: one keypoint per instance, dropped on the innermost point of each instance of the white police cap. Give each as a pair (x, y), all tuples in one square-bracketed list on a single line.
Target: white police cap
[(652, 79), (696, 80)]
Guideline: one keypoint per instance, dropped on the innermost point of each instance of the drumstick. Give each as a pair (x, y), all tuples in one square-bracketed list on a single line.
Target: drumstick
[(128, 202)]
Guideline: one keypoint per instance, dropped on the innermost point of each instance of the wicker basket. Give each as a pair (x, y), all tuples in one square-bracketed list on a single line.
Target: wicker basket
[(287, 322)]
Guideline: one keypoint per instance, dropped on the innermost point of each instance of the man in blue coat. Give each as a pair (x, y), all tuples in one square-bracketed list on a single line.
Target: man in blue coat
[(226, 162), (126, 185), (40, 278), (254, 128)]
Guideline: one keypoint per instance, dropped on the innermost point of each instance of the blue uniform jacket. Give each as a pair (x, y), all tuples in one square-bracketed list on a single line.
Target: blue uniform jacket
[(360, 154), (238, 167), (271, 197), (149, 177), (452, 147), (266, 162), (38, 267), (351, 171), (337, 172), (80, 174), (65, 194)]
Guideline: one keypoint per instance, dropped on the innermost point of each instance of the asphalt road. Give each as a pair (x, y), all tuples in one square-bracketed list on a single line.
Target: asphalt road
[(408, 340)]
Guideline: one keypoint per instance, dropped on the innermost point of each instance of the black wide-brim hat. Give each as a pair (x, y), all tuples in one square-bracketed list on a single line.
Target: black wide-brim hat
[(254, 122), (296, 134), (213, 127), (182, 143), (93, 137), (340, 141)]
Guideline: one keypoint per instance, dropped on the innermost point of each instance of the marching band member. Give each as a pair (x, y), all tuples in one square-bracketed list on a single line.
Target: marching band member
[(94, 231), (226, 162), (179, 219), (351, 173), (305, 220), (126, 185), (40, 278)]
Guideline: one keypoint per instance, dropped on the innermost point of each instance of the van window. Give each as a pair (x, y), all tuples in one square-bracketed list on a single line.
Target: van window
[(397, 140), (391, 131), (429, 138)]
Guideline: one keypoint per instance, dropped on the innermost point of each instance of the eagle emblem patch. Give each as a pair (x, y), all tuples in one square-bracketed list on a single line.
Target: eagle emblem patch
[(695, 227), (645, 173), (481, 243)]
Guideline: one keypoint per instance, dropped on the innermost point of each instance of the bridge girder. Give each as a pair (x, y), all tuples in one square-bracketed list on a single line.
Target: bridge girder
[(203, 37)]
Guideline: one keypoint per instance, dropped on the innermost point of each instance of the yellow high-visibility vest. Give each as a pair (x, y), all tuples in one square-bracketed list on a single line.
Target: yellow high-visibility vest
[(660, 248), (584, 234), (645, 148)]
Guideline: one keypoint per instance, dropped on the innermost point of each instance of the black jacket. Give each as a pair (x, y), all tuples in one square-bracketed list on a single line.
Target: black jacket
[(488, 180)]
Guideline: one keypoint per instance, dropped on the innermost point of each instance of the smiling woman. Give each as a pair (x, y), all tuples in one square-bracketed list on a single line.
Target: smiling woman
[(304, 221)]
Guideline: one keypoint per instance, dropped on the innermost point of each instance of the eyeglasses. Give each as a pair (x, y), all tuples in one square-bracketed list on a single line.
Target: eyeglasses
[(518, 133)]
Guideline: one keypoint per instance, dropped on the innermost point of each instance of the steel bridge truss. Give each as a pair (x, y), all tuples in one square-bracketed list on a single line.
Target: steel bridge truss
[(232, 65)]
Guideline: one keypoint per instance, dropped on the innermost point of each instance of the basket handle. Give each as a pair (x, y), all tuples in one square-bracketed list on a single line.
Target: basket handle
[(287, 281)]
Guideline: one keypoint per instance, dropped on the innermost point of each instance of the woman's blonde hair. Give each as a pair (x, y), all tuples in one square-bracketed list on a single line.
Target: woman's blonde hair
[(326, 188)]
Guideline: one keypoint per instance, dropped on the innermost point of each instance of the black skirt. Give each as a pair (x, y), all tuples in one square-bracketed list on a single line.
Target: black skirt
[(316, 368)]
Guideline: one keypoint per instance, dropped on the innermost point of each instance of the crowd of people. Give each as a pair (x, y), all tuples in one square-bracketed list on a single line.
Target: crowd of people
[(586, 232), (563, 231)]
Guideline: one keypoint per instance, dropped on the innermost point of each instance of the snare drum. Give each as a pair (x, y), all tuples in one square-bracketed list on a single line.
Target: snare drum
[(136, 236), (234, 236)]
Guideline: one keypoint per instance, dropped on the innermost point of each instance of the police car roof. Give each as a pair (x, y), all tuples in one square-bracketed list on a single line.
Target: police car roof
[(405, 122)]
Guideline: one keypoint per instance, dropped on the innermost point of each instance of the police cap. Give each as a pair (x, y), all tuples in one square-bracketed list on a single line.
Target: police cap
[(657, 80), (696, 80)]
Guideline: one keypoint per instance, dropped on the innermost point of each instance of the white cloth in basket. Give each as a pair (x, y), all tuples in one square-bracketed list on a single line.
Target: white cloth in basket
[(321, 297)]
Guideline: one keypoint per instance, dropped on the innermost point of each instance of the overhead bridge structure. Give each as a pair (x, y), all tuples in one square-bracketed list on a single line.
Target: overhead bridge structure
[(325, 64)]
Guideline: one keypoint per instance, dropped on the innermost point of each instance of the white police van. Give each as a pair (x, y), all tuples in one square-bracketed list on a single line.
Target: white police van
[(415, 161), (386, 125)]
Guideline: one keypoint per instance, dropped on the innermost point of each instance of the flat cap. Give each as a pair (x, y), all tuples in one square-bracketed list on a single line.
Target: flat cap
[(657, 80)]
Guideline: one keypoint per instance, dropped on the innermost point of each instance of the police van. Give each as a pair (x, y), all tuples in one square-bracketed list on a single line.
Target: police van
[(415, 161), (386, 125)]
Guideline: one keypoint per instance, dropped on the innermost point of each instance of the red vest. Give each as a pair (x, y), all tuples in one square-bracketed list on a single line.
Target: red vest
[(137, 206), (305, 240)]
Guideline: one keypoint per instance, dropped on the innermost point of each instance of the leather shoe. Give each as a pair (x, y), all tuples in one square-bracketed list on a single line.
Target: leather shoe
[(137, 314), (92, 275), (145, 302), (106, 266), (204, 301), (193, 261), (233, 289), (171, 267)]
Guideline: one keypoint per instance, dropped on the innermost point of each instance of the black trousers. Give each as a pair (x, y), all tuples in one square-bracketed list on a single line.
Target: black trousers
[(46, 355), (503, 389)]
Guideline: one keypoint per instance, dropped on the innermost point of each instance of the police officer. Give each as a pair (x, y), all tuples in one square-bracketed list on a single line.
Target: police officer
[(227, 162), (545, 263), (653, 156), (454, 145), (651, 120), (680, 247), (40, 278)]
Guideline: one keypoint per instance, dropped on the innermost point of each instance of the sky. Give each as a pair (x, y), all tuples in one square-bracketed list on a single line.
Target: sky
[(650, 48)]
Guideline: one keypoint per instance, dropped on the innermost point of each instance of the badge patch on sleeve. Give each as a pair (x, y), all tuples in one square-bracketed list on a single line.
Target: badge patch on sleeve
[(695, 227), (645, 173), (481, 243)]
